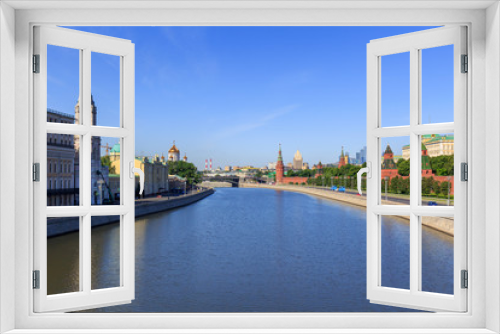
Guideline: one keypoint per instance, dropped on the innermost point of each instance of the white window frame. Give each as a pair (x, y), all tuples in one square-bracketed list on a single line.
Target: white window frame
[(484, 213)]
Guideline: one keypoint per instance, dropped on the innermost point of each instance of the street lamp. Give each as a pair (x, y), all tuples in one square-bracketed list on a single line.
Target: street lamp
[(386, 181), (449, 186)]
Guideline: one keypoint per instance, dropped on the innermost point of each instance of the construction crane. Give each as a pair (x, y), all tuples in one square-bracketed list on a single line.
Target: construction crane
[(107, 147)]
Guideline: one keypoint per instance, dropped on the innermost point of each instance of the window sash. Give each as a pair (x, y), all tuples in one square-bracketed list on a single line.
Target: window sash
[(87, 43), (413, 43)]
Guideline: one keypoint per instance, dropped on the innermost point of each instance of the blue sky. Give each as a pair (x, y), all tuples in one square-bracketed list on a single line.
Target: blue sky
[(234, 93)]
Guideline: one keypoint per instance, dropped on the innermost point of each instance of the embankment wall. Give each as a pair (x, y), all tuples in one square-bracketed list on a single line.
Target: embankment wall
[(59, 226)]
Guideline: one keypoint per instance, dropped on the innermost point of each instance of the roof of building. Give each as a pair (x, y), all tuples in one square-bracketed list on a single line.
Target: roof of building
[(115, 148), (439, 139), (388, 149), (297, 155), (280, 158), (434, 139), (56, 112)]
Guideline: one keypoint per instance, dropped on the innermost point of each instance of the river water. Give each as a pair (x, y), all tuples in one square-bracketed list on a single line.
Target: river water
[(255, 250)]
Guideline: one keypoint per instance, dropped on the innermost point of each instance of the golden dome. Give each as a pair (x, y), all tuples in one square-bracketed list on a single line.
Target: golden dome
[(174, 149)]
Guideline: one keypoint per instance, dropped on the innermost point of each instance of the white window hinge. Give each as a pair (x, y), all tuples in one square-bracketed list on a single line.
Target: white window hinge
[(36, 279), (465, 64), (36, 172), (464, 171), (36, 63), (465, 279)]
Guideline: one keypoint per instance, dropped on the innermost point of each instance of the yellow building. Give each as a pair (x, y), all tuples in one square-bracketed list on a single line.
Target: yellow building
[(155, 171), (437, 145)]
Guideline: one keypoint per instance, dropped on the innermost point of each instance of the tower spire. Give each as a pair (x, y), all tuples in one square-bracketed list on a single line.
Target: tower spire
[(280, 158)]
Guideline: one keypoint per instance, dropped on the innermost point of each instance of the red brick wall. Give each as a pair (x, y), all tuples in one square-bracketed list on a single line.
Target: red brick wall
[(299, 179), (389, 172), (436, 178)]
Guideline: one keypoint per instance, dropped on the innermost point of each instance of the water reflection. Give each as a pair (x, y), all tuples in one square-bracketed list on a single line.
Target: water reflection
[(257, 250)]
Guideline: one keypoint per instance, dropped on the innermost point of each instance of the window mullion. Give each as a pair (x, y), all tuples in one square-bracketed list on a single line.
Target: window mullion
[(414, 170), (86, 172)]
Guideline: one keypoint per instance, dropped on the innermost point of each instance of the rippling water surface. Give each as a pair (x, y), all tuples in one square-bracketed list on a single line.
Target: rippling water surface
[(256, 250)]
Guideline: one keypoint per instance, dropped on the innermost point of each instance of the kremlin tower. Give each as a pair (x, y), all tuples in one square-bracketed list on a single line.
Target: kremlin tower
[(342, 160), (280, 168), (319, 169)]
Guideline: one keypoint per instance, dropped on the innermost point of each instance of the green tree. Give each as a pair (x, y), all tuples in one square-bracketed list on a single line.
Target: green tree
[(443, 165), (259, 174), (186, 170), (404, 186), (444, 187), (394, 185), (403, 167), (106, 161)]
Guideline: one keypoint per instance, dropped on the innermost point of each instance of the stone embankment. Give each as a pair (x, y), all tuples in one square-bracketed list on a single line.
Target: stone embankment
[(59, 226), (441, 224)]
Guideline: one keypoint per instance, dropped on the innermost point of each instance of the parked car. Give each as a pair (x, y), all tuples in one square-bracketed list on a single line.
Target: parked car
[(334, 188), (432, 203), (342, 189)]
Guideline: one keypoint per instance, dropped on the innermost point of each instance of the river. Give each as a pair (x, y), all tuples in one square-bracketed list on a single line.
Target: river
[(254, 250)]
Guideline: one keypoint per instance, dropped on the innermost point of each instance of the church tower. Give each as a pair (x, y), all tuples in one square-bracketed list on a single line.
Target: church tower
[(78, 120), (280, 168)]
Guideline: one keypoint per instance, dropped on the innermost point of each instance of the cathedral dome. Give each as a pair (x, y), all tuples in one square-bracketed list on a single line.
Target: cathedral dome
[(173, 149)]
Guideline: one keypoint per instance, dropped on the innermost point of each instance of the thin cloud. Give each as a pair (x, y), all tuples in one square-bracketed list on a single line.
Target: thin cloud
[(265, 120)]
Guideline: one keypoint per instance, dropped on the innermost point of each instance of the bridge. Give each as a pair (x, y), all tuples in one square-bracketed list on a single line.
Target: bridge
[(227, 181)]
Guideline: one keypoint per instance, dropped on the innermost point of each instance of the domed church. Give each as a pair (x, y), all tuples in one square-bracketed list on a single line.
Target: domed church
[(174, 154)]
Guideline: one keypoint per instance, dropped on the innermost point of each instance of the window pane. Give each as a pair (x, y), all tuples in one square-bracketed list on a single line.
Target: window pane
[(105, 252), (395, 251), (438, 169), (437, 254), (62, 170), (395, 90), (106, 164), (395, 171), (63, 255), (437, 85), (105, 90), (63, 84)]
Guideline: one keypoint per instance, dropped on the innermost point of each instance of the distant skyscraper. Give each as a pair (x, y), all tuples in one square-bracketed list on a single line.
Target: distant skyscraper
[(297, 161), (361, 156)]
